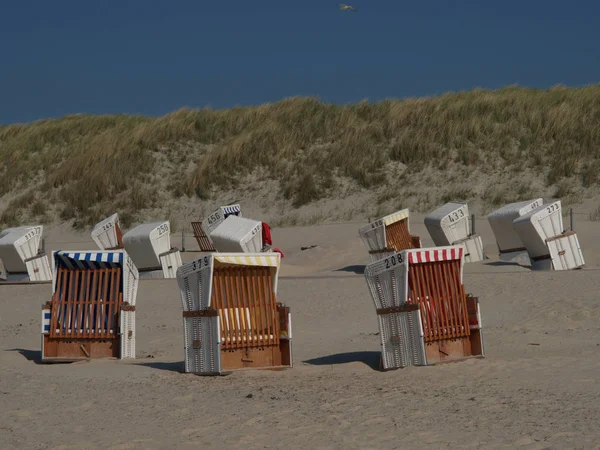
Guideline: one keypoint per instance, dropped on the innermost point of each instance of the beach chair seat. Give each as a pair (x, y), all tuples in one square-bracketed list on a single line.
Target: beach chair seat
[(202, 230), (149, 246), (107, 233), (204, 242), (388, 235), (92, 310), (450, 225), (232, 319), (510, 246), (548, 245), (21, 256), (424, 314), (238, 234)]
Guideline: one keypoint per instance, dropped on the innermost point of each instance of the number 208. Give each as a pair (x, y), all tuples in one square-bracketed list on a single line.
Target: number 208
[(393, 260)]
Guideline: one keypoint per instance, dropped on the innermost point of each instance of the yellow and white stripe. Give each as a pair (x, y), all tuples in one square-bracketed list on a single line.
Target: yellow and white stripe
[(395, 217), (250, 259)]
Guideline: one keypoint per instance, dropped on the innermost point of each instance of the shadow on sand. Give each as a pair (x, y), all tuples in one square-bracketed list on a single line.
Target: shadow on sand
[(503, 264), (370, 359), (29, 355), (357, 268), (169, 366)]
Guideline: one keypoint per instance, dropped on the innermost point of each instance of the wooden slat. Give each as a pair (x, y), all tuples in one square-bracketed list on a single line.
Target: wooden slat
[(99, 303), (259, 303), (64, 330), (442, 275), (445, 300), (53, 303), (250, 301), (89, 306), (115, 308), (109, 307), (72, 306), (230, 305), (398, 237), (441, 272), (464, 313), (272, 306), (454, 281), (429, 305), (225, 300), (80, 304), (219, 305), (98, 294), (256, 303), (228, 302), (458, 293), (267, 311), (77, 300), (240, 289), (203, 241), (119, 236), (446, 317), (246, 334), (431, 283), (416, 241)]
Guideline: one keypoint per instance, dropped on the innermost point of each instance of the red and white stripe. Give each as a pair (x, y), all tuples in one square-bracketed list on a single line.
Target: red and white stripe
[(436, 254)]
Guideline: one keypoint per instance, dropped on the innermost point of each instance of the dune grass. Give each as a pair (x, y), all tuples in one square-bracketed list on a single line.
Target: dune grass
[(82, 167)]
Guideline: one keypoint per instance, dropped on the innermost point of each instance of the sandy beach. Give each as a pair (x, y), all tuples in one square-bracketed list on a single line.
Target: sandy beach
[(537, 387)]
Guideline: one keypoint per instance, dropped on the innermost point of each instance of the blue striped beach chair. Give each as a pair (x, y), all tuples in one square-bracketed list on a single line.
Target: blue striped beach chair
[(92, 310)]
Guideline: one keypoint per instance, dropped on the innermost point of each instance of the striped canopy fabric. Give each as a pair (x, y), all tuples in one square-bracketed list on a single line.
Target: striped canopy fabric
[(435, 254), (262, 259), (232, 209), (100, 316), (100, 259), (46, 315), (88, 260), (395, 217)]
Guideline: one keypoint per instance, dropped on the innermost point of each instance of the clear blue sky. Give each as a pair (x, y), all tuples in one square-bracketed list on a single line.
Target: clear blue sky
[(152, 57)]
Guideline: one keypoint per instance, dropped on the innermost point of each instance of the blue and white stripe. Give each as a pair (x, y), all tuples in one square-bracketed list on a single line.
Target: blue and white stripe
[(89, 260), (45, 321), (233, 209)]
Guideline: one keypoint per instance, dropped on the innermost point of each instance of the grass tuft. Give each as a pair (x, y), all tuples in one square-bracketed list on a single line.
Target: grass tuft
[(80, 167)]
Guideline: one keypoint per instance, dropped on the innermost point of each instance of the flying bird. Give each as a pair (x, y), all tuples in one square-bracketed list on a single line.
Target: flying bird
[(346, 7)]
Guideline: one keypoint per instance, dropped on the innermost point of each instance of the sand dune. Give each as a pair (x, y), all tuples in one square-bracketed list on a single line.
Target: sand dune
[(536, 389)]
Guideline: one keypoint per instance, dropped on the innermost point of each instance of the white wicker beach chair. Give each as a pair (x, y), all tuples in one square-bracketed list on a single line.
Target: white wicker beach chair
[(149, 246), (450, 225), (231, 316), (92, 310), (424, 314)]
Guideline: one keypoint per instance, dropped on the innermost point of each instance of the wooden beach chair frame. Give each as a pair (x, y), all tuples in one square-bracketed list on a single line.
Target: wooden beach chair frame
[(450, 317), (233, 320), (389, 235), (204, 243), (425, 315), (92, 310)]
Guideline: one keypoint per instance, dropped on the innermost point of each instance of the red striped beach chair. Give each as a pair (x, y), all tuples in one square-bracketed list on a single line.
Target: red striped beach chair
[(424, 313)]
